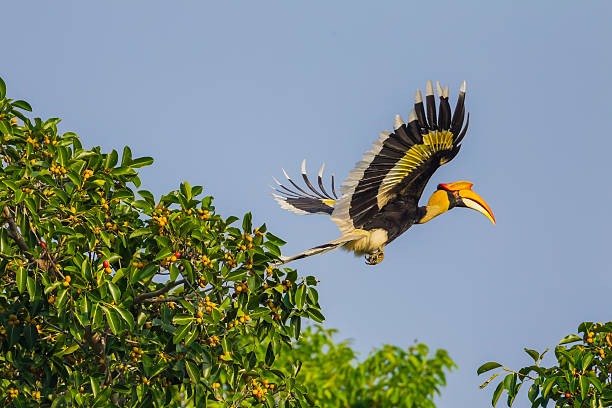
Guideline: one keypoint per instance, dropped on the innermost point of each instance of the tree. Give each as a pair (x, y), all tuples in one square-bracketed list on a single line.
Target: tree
[(112, 299), (388, 377), (581, 378)]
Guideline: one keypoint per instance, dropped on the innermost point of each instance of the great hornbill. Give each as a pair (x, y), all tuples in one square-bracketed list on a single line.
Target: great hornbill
[(379, 200)]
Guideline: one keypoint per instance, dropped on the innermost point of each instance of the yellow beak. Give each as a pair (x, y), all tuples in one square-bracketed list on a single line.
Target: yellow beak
[(472, 200)]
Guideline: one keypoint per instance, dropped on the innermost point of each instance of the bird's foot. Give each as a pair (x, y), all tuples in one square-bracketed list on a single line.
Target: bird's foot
[(375, 258)]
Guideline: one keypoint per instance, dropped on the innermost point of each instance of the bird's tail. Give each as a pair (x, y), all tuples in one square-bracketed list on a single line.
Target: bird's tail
[(301, 201), (321, 249)]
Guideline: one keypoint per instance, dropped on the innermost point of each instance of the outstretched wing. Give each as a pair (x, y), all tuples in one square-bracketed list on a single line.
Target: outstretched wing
[(402, 162), (301, 201)]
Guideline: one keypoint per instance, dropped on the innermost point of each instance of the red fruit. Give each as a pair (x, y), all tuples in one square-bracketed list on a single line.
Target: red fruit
[(42, 244), (568, 395), (105, 264), (177, 254)]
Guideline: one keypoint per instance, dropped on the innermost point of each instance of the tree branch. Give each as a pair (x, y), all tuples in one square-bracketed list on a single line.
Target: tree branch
[(142, 297), (15, 235), (165, 300)]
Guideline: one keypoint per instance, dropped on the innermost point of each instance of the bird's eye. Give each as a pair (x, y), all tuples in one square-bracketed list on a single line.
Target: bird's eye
[(456, 194)]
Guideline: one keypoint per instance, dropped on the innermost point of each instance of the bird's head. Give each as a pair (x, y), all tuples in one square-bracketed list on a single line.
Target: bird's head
[(457, 194)]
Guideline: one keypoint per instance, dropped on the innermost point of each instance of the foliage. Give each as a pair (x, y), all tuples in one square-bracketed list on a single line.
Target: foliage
[(581, 378), (388, 377), (113, 299)]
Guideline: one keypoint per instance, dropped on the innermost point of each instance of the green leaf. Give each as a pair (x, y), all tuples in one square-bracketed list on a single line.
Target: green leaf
[(113, 319), (300, 298), (174, 272), (140, 232), (548, 384), (122, 171), (270, 354), (533, 392), (191, 336), (22, 105), (115, 291), (22, 277), (487, 367), (96, 316), (2, 89), (141, 162), (67, 351), (584, 386), (126, 159), (533, 354), (148, 196), (181, 333), (182, 319), (274, 250), (586, 361), (31, 284), (163, 254), (231, 219), (315, 315), (61, 298), (186, 190), (126, 316), (5, 129), (497, 393), (274, 239), (142, 205), (596, 383), (296, 325), (570, 339), (247, 223), (512, 395), (193, 371)]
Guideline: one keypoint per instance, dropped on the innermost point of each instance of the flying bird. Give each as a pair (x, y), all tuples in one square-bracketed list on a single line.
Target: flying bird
[(379, 200)]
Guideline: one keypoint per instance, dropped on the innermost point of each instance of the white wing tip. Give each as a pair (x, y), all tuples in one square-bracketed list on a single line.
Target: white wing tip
[(398, 122), (286, 175), (446, 91), (412, 116), (429, 89), (304, 166), (321, 170), (463, 86), (418, 98), (439, 89)]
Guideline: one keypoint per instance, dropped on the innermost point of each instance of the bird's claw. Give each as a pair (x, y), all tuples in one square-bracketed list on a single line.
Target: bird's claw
[(375, 258)]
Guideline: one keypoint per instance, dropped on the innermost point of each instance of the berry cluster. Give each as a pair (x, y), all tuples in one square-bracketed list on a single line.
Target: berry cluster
[(260, 389), (213, 341), (136, 354), (13, 320), (238, 321)]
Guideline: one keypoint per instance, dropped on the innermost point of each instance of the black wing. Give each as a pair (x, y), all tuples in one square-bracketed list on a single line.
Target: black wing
[(402, 162)]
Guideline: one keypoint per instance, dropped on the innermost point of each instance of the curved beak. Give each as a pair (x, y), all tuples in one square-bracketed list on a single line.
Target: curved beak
[(468, 198)]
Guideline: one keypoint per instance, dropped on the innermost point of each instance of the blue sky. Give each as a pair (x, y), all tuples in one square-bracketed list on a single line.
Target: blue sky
[(224, 94)]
